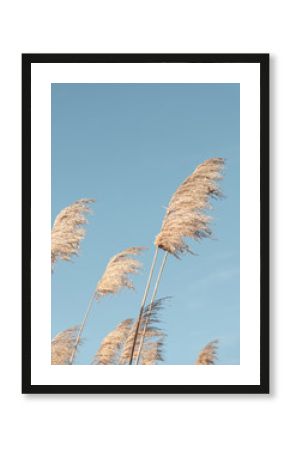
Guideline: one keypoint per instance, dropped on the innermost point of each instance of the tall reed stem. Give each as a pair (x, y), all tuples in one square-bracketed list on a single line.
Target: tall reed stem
[(143, 301), (153, 297), (82, 328)]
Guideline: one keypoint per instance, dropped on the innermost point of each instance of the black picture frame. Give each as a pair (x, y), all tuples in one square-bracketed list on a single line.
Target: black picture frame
[(27, 61)]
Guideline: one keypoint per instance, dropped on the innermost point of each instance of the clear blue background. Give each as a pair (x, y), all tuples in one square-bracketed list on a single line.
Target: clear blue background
[(129, 146)]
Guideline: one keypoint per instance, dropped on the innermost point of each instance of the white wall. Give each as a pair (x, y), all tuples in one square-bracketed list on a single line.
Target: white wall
[(77, 422)]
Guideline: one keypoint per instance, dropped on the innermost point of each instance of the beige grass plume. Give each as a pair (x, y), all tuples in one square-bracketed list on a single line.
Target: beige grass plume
[(207, 356), (152, 352), (109, 350), (117, 271), (153, 339), (115, 278), (62, 346), (68, 230), (185, 215)]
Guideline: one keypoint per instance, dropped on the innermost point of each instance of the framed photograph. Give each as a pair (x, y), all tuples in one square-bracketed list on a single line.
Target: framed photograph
[(145, 223)]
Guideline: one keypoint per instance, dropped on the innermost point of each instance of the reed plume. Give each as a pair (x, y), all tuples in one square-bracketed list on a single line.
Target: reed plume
[(116, 274), (109, 350), (185, 217), (68, 230), (153, 335), (62, 346), (152, 352), (115, 278), (207, 356)]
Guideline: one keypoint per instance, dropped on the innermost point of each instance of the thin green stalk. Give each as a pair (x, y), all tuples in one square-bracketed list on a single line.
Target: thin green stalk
[(82, 327), (143, 301), (153, 297)]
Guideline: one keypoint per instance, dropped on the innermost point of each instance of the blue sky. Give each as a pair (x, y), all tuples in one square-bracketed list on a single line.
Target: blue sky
[(129, 146)]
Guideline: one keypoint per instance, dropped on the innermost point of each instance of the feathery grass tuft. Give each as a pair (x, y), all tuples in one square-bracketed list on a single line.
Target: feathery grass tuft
[(116, 274), (62, 346), (185, 215), (68, 230), (109, 350), (153, 334), (113, 280), (152, 352), (207, 356)]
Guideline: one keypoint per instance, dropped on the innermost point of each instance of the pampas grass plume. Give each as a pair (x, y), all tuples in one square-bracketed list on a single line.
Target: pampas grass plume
[(207, 356), (116, 273), (68, 230), (185, 215), (62, 346)]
